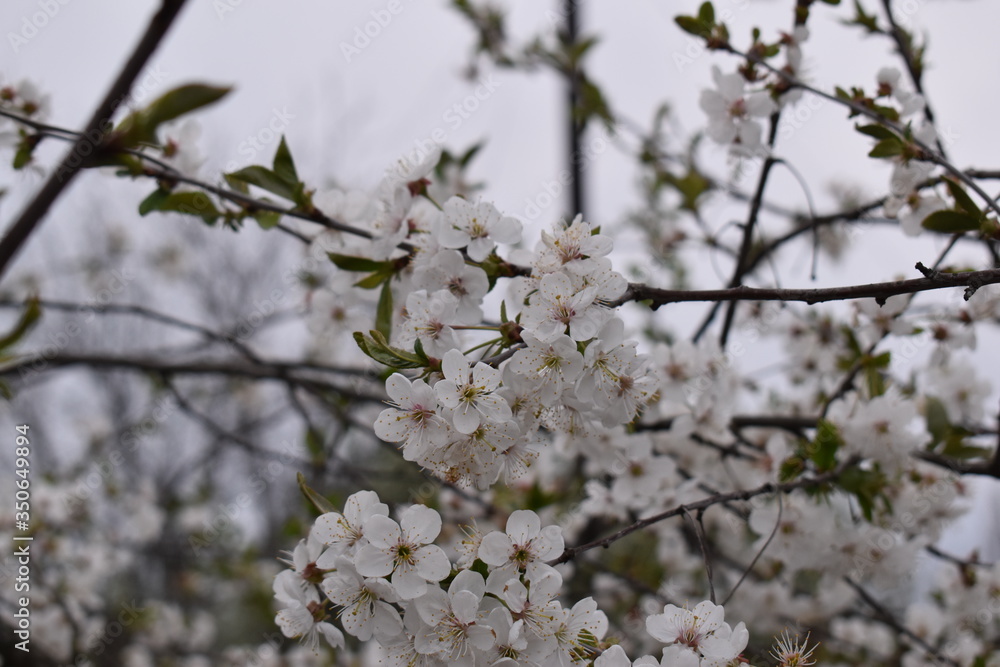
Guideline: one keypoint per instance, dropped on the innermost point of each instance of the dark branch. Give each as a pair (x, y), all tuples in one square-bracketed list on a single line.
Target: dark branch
[(972, 280), (571, 552)]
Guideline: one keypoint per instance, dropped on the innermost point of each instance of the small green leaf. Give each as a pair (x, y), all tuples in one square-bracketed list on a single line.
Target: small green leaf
[(956, 448), (266, 179), (32, 311), (186, 202), (950, 222), (791, 468), (374, 280), (861, 18), (237, 184), (418, 350), (314, 443), (691, 186), (359, 264), (182, 100), (874, 381), (887, 148), (823, 449), (881, 360), (962, 198), (267, 219), (690, 24), (879, 132), (937, 420), (886, 112), (469, 154), (383, 312), (376, 347), (140, 126), (866, 485), (317, 500), (283, 165), (22, 158), (153, 201), (706, 13)]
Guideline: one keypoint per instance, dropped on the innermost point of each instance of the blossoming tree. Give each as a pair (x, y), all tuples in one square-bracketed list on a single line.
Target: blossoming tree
[(594, 485)]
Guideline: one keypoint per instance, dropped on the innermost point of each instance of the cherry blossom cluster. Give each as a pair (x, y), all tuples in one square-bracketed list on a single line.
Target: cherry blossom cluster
[(496, 602), (567, 368)]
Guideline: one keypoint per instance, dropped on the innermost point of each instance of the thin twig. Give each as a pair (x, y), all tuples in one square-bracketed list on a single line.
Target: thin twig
[(750, 227), (699, 531), (760, 552), (886, 617), (570, 552)]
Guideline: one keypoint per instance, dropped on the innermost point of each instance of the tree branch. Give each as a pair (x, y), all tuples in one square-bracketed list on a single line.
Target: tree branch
[(263, 370), (743, 258), (971, 280), (571, 552)]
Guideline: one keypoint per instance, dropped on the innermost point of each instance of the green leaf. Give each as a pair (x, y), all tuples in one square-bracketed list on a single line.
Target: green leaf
[(791, 468), (950, 222), (937, 420), (418, 350), (153, 201), (469, 154), (376, 347), (887, 148), (690, 24), (236, 184), (188, 203), (868, 21), (956, 448), (593, 104), (886, 112), (182, 100), (691, 186), (866, 485), (374, 280), (962, 198), (22, 158), (32, 311), (140, 126), (283, 165), (314, 444), (823, 449), (383, 312), (881, 360), (264, 178), (362, 342), (706, 13), (359, 264), (877, 131), (267, 219), (874, 381), (317, 500)]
